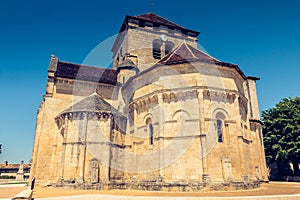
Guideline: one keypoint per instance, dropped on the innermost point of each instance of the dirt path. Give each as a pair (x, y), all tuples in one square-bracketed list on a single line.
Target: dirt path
[(9, 191), (272, 188)]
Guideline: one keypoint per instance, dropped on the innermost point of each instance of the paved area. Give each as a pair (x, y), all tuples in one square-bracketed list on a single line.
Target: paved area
[(10, 190), (273, 190), (113, 197)]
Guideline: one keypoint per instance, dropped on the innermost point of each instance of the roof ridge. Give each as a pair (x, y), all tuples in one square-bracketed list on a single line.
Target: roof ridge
[(166, 21), (84, 65), (172, 53), (204, 53), (95, 93), (188, 47)]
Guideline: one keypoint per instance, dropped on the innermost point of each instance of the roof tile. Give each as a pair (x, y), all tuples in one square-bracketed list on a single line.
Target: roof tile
[(87, 73), (92, 103), (186, 53), (157, 19)]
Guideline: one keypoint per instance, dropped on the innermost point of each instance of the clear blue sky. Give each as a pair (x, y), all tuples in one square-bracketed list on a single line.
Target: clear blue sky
[(262, 37)]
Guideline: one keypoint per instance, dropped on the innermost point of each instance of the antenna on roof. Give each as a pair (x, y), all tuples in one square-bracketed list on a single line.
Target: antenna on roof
[(151, 5)]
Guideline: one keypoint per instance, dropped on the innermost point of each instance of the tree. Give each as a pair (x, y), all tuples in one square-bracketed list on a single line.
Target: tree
[(281, 131)]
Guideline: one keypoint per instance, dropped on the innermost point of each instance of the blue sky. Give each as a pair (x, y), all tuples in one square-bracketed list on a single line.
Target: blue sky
[(262, 37)]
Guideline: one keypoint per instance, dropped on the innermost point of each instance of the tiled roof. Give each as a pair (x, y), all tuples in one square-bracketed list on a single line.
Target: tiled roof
[(13, 166), (185, 53), (87, 73), (127, 63), (92, 103), (157, 19)]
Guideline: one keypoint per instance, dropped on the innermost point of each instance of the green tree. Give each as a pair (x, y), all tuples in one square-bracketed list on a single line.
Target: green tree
[(281, 131)]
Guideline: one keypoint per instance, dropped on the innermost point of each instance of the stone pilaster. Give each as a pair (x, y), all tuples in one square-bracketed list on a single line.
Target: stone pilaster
[(252, 97), (160, 136), (82, 159)]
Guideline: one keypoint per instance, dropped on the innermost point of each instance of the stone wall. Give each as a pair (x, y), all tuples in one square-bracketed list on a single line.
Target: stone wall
[(183, 127), (138, 42)]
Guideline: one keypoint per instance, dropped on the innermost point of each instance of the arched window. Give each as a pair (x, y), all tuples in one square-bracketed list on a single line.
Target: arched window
[(150, 130), (156, 49), (220, 124), (169, 47), (220, 130)]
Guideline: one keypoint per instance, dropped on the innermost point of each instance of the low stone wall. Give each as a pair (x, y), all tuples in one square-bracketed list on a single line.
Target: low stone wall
[(162, 186)]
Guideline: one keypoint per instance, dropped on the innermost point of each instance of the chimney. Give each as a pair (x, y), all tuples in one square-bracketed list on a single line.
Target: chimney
[(5, 163)]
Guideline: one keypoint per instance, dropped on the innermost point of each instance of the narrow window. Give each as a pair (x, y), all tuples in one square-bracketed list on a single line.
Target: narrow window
[(150, 130), (150, 134), (156, 49), (168, 47), (121, 51), (220, 130)]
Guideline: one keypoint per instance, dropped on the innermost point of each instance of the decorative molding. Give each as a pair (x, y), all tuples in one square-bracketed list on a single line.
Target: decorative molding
[(217, 95), (230, 121), (252, 120)]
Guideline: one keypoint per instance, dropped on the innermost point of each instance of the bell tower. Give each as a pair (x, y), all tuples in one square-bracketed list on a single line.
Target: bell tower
[(147, 38)]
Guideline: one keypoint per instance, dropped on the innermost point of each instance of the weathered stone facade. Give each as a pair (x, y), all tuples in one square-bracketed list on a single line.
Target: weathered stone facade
[(166, 117)]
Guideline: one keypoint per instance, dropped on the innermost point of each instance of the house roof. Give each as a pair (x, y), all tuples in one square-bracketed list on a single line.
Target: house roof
[(87, 73), (157, 19), (127, 63), (185, 53), (14, 166), (92, 103)]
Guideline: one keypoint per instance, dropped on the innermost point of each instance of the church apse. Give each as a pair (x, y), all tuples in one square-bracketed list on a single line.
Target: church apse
[(166, 116)]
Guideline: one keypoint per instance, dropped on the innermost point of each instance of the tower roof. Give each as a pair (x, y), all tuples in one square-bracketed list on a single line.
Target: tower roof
[(92, 103), (185, 53), (139, 21), (157, 19), (127, 63)]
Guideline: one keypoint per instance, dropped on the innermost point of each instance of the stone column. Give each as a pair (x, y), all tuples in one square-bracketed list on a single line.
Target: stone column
[(203, 155), (202, 137), (63, 152), (261, 153), (135, 115), (251, 94), (241, 154), (134, 144), (160, 136), (111, 128), (83, 137)]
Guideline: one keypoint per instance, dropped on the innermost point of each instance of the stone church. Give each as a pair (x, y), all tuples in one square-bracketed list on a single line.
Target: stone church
[(166, 116)]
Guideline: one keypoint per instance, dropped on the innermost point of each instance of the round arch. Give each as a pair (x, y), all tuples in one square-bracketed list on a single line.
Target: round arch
[(181, 111)]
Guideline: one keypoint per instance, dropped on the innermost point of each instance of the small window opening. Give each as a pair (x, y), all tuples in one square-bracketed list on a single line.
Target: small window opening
[(168, 47), (220, 130), (156, 49), (150, 130)]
